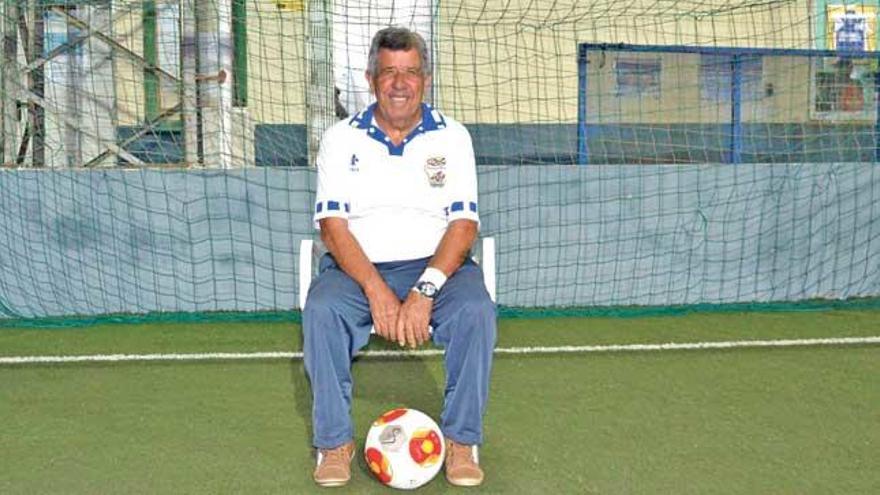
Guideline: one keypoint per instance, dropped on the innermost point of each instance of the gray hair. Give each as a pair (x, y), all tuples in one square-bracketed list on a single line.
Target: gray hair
[(398, 38)]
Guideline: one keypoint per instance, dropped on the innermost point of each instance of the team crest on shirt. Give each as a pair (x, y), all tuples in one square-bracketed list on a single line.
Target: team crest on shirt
[(435, 167)]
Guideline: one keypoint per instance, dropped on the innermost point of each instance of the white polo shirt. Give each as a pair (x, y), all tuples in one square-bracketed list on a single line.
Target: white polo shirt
[(398, 199)]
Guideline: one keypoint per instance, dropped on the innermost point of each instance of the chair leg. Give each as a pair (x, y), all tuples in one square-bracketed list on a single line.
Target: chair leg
[(488, 264), (305, 270)]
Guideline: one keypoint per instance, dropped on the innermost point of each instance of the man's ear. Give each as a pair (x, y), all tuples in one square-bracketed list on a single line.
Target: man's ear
[(370, 82)]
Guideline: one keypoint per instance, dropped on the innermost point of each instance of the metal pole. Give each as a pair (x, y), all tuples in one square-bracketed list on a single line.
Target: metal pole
[(583, 147), (319, 97), (877, 116), (10, 82), (33, 47), (736, 128), (214, 41), (189, 87)]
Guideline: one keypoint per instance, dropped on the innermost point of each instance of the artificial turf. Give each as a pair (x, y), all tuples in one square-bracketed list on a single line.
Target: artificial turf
[(795, 420)]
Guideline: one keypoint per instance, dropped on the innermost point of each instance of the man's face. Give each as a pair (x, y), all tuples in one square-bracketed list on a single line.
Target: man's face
[(399, 86)]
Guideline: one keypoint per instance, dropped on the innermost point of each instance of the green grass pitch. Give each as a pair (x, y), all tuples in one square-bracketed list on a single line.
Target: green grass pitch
[(784, 420)]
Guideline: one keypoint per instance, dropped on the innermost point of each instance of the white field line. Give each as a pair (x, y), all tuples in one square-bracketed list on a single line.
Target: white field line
[(240, 356)]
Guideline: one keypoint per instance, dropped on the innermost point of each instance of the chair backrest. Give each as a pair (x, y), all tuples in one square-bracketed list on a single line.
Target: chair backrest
[(309, 251)]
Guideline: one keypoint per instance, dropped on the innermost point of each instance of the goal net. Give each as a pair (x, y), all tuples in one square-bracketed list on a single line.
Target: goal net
[(157, 154)]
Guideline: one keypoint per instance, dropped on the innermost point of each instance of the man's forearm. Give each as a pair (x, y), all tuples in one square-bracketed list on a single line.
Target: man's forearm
[(349, 254), (454, 246)]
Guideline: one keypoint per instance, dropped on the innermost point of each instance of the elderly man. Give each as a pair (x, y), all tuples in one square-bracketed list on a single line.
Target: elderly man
[(397, 209)]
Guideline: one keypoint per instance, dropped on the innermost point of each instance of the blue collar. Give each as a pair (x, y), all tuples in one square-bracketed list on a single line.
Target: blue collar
[(431, 121)]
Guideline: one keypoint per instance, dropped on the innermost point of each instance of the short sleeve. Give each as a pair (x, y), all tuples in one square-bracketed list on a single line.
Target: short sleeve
[(462, 180), (332, 198)]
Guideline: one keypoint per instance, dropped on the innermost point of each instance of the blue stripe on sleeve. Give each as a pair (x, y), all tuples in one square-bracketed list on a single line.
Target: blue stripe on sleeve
[(319, 207), (457, 206), (332, 205), (472, 206)]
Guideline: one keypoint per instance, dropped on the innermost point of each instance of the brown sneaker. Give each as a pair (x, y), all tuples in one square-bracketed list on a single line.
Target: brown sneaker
[(462, 464), (334, 465)]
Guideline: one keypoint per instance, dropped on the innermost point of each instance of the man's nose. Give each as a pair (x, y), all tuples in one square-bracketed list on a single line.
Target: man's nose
[(399, 80)]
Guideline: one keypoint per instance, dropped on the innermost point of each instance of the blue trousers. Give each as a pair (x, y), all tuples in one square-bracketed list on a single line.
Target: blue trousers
[(336, 325)]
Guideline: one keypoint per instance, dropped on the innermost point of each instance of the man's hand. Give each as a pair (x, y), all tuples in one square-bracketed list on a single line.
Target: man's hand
[(384, 307), (413, 319)]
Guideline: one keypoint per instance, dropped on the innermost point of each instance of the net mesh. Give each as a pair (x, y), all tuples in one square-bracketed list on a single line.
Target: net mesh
[(158, 151), (237, 83), (647, 104)]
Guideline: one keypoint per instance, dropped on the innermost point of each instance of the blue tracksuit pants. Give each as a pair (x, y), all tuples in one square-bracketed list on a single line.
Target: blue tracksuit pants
[(337, 322)]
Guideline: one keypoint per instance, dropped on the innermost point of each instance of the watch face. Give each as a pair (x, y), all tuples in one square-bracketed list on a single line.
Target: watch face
[(427, 289)]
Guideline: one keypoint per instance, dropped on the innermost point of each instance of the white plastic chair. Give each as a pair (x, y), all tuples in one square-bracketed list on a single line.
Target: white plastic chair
[(308, 251)]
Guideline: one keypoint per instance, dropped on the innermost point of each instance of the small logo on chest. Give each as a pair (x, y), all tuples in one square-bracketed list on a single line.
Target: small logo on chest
[(353, 166), (435, 168)]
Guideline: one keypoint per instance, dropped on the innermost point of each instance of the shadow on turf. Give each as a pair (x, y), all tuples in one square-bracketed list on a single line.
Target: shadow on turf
[(380, 385)]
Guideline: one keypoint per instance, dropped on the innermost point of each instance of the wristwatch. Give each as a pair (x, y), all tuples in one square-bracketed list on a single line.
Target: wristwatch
[(427, 289)]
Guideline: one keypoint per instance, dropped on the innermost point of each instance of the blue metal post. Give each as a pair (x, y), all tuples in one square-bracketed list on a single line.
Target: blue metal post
[(583, 150), (736, 129), (877, 118)]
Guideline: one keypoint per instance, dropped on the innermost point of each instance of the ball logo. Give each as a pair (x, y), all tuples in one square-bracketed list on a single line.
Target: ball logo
[(392, 438), (435, 167)]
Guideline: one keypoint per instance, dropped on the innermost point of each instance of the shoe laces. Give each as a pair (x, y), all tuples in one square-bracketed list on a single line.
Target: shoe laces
[(337, 454), (457, 450)]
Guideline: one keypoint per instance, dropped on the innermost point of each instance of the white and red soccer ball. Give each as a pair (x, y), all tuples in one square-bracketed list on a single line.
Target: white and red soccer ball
[(404, 448)]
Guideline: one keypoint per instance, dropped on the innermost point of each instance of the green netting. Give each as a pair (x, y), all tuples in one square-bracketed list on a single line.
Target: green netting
[(233, 83), (645, 311), (90, 242), (503, 312), (159, 150), (81, 242), (644, 104), (60, 322)]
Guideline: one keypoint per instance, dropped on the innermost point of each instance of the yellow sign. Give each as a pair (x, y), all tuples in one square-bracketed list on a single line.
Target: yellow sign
[(851, 27), (290, 5)]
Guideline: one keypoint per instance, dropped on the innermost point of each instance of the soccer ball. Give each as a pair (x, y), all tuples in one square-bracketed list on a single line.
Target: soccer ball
[(404, 448)]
